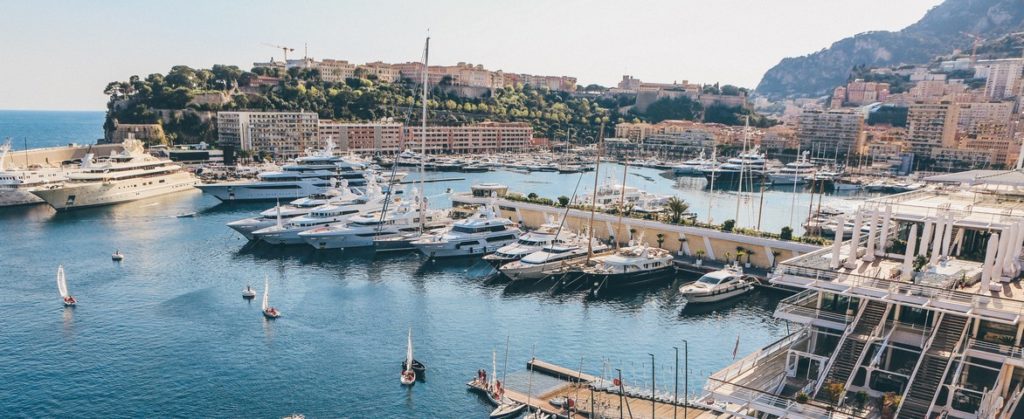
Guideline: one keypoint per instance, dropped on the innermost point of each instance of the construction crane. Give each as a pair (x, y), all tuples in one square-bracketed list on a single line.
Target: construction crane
[(974, 49), (283, 49)]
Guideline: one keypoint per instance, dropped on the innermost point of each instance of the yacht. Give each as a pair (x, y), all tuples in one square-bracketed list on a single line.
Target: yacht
[(296, 208), (480, 234), (364, 229), (538, 265), (307, 175), (123, 177), (794, 173), (610, 195), (546, 235), (631, 266), (17, 184), (695, 167), (336, 212), (749, 166), (716, 286)]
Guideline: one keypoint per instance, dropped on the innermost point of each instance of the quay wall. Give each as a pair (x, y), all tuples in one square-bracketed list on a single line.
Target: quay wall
[(684, 240), (53, 156)]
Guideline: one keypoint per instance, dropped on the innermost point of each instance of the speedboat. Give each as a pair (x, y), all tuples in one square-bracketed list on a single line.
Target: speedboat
[(546, 235), (716, 286), (480, 234), (538, 265), (62, 287), (117, 256), (248, 292), (631, 266)]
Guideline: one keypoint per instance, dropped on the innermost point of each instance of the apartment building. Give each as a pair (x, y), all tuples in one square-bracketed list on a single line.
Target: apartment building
[(931, 125), (374, 138), (484, 137), (1002, 77), (336, 71), (383, 71), (833, 129), (282, 134)]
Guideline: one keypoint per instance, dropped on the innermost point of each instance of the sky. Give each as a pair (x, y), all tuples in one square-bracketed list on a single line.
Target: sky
[(60, 55)]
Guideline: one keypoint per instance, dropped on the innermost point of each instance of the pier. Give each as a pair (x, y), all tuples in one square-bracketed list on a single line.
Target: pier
[(593, 397)]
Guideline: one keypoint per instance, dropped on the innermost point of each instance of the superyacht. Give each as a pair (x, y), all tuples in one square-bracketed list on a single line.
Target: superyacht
[(17, 184), (480, 234), (538, 265), (794, 173), (123, 177), (364, 229), (337, 212), (296, 208), (546, 235)]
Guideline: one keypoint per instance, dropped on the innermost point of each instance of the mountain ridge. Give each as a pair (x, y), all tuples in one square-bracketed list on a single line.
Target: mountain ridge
[(941, 30)]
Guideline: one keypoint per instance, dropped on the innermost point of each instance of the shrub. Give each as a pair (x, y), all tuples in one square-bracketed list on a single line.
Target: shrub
[(727, 225), (786, 233)]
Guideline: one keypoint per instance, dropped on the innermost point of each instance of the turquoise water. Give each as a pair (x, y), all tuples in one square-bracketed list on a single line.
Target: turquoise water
[(167, 334), (50, 128)]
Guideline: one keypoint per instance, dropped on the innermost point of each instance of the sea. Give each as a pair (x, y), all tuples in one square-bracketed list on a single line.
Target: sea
[(166, 332)]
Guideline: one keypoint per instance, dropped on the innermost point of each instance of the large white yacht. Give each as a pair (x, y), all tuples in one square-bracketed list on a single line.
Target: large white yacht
[(631, 266), (794, 173), (750, 164), (123, 177), (695, 167), (17, 184), (363, 229), (307, 175), (544, 262), (609, 196), (336, 212), (296, 208), (547, 234), (480, 234)]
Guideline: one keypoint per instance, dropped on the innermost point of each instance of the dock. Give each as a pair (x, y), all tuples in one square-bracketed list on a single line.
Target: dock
[(592, 396), (437, 180)]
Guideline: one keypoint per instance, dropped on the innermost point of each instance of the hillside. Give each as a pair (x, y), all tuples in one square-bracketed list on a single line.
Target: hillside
[(939, 32)]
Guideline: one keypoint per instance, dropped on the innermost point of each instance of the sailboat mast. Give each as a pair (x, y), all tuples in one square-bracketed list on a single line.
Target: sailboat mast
[(593, 196), (743, 168), (423, 136)]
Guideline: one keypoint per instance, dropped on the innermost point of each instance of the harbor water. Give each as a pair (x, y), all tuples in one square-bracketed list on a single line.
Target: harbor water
[(166, 333)]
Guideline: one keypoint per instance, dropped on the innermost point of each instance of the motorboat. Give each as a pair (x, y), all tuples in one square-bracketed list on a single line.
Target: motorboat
[(507, 410), (748, 166), (716, 286), (296, 208), (610, 195), (62, 287), (695, 167), (480, 234), (363, 230), (248, 293), (794, 173), (538, 265), (117, 256), (268, 311), (127, 176), (547, 234), (334, 213), (631, 266)]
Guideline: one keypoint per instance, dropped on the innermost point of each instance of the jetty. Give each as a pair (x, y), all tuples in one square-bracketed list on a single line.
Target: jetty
[(592, 396)]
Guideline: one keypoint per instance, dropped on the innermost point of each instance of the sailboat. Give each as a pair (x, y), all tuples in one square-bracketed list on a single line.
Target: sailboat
[(506, 408), (62, 286), (268, 311), (408, 375)]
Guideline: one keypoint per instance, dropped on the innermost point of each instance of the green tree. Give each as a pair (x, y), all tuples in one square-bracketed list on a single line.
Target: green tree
[(677, 207)]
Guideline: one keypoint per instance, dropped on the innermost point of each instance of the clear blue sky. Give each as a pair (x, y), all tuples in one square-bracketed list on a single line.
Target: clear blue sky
[(60, 54)]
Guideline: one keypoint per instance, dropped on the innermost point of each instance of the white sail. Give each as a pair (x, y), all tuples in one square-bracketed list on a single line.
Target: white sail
[(494, 369), (408, 353), (62, 282), (266, 293)]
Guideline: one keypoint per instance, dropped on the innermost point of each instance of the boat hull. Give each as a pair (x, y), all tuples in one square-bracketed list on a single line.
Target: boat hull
[(250, 225), (714, 297), (338, 241), (16, 197), (602, 283), (94, 194)]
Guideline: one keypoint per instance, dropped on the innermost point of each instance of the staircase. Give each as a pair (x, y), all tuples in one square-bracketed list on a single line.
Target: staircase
[(933, 366), (849, 354)]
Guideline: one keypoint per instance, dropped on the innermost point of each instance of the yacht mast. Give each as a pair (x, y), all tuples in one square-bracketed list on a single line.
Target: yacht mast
[(743, 168), (423, 137), (593, 196)]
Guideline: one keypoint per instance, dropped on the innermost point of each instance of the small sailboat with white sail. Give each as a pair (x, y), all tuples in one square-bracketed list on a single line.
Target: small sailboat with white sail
[(268, 311), (62, 286), (408, 374)]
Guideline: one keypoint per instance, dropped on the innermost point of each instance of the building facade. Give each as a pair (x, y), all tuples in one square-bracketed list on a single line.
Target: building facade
[(931, 125), (833, 129), (373, 138), (281, 134)]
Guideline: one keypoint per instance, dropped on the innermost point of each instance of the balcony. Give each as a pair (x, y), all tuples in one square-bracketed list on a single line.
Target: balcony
[(802, 308), (996, 352)]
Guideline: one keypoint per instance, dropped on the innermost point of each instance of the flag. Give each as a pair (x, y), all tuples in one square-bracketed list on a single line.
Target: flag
[(736, 348)]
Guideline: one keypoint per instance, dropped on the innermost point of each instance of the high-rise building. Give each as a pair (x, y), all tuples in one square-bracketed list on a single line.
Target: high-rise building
[(931, 125), (1003, 77), (375, 137), (833, 129), (282, 134)]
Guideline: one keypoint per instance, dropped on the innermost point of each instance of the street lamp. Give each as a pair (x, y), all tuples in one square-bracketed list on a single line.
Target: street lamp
[(654, 396)]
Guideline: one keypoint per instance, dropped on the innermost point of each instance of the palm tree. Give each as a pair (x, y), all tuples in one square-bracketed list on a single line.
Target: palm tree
[(677, 207)]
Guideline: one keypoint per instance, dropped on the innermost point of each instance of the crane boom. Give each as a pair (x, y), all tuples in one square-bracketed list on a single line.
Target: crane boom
[(285, 50)]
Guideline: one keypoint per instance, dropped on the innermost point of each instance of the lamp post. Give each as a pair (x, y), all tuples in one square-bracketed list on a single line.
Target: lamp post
[(686, 378), (654, 396), (675, 389), (620, 392)]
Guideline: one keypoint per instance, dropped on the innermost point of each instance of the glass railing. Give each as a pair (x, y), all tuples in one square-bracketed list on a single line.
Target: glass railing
[(1009, 351), (803, 305), (758, 357)]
